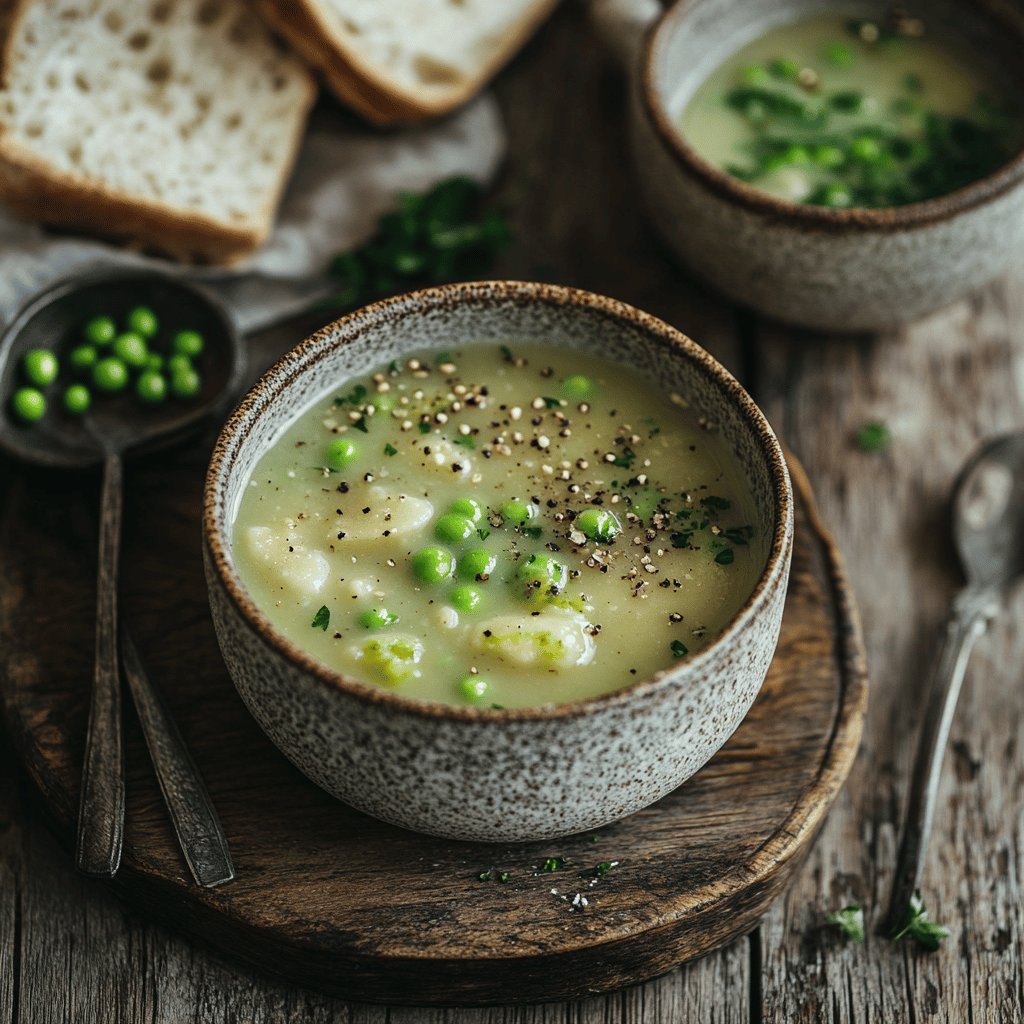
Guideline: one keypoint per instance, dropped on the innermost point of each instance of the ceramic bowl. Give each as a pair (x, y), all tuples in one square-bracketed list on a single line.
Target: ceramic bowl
[(840, 270), (486, 774)]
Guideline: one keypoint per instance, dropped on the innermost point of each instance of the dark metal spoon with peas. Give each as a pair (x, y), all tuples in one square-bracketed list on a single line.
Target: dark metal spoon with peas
[(988, 527), (96, 368)]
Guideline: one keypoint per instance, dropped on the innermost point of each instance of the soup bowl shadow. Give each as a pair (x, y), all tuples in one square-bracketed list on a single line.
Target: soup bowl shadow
[(484, 773), (826, 269)]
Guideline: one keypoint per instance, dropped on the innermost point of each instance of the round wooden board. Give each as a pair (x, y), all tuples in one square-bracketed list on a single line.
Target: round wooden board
[(329, 898)]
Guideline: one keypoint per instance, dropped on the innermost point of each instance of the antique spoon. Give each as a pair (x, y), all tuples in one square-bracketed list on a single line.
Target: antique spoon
[(112, 429), (988, 528)]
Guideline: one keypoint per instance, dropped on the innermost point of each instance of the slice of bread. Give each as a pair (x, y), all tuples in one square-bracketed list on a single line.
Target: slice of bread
[(172, 124), (401, 61)]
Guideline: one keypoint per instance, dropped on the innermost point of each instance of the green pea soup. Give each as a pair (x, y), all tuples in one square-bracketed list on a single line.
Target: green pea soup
[(507, 526), (850, 113)]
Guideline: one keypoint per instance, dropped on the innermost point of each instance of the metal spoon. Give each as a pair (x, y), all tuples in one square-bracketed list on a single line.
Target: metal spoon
[(115, 428), (988, 527)]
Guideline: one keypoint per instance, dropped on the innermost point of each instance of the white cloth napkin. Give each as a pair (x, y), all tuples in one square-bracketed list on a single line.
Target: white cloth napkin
[(346, 176)]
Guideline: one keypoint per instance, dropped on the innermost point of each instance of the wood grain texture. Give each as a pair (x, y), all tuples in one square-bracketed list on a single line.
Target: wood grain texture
[(327, 897)]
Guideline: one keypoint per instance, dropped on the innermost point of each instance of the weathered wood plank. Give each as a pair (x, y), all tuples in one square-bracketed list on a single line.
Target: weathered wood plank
[(941, 385)]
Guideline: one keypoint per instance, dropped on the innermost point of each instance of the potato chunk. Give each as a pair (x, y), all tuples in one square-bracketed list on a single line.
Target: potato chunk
[(557, 638), (300, 569), (387, 517)]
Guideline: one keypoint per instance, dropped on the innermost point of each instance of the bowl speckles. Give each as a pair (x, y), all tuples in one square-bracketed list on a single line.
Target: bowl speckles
[(474, 773), (843, 270)]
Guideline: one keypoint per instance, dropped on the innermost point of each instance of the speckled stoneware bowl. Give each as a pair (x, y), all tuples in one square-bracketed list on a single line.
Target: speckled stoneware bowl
[(477, 773), (839, 270)]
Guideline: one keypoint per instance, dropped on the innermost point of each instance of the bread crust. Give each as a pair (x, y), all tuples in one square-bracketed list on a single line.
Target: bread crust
[(362, 85), (35, 189)]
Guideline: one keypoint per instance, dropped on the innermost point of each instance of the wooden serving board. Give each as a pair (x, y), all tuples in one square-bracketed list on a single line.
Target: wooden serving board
[(330, 898)]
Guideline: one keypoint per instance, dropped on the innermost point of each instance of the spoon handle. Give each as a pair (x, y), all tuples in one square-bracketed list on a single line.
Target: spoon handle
[(195, 821), (101, 804), (972, 611)]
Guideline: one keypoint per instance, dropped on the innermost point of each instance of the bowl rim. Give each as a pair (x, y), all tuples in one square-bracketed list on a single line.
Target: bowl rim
[(346, 329), (814, 218)]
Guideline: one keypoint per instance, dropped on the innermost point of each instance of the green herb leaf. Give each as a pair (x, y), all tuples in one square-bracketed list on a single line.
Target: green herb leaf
[(483, 533), (715, 502), (725, 557), (484, 876), (360, 424), (390, 449), (925, 933), (465, 440), (625, 458), (605, 866), (533, 532), (679, 649), (551, 403), (506, 353), (504, 876), (850, 920), (873, 437), (322, 619), (553, 863), (424, 427)]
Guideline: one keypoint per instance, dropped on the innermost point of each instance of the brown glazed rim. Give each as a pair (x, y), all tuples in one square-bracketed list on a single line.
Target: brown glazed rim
[(822, 218), (482, 293)]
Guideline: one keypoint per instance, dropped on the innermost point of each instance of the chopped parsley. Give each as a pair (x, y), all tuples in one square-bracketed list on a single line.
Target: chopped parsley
[(553, 863), (485, 876), (725, 557), (504, 876), (679, 649), (356, 397), (424, 427), (506, 354), (390, 449), (715, 502), (605, 866), (322, 619), (483, 533), (533, 532), (551, 403), (925, 933), (849, 920), (465, 440), (873, 437), (360, 424), (625, 458)]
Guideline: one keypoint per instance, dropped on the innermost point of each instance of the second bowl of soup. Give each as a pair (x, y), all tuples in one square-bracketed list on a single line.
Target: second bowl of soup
[(498, 561)]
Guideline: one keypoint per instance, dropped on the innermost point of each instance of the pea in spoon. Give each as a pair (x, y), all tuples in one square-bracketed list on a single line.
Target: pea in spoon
[(114, 428), (988, 528)]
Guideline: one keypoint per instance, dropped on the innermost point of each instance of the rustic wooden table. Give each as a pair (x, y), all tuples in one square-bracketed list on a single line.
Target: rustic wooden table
[(70, 953)]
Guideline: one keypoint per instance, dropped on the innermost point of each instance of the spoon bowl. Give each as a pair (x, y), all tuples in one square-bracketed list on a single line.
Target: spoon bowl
[(118, 423), (988, 514)]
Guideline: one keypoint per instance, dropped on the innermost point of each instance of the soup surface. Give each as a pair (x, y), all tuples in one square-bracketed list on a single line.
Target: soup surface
[(835, 112), (499, 525)]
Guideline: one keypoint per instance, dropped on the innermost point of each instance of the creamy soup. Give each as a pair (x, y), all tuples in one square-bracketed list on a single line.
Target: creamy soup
[(499, 525), (838, 112)]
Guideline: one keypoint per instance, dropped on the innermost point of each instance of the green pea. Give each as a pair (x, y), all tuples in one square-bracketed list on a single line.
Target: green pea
[(28, 404), (835, 195), (468, 508), (433, 565), (865, 150), (598, 524), (188, 343), (543, 573), (101, 330), (516, 512), (341, 453), (77, 400), (577, 387), (466, 599), (83, 357), (142, 320), (40, 367), (473, 688), (178, 362), (151, 387), (110, 374), (755, 74), (453, 529), (476, 563), (784, 68), (186, 383), (796, 155), (131, 348), (827, 156), (377, 618), (839, 55)]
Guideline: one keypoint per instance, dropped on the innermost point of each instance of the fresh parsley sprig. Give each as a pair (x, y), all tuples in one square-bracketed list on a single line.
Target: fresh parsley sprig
[(850, 921), (917, 926), (432, 237)]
